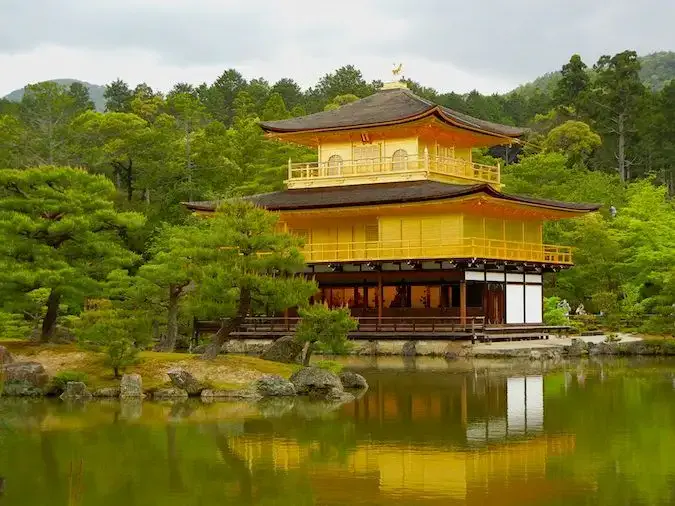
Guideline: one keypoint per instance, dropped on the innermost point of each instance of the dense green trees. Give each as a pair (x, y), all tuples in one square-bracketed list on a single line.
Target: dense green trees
[(60, 232), (597, 135)]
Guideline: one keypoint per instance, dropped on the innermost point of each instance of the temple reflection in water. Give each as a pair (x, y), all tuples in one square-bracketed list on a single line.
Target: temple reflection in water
[(472, 439)]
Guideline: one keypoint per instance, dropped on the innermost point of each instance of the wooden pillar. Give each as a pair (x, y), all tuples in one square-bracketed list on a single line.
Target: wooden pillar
[(379, 298), (462, 302)]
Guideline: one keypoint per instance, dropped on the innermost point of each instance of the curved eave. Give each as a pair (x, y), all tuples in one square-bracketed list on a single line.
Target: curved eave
[(571, 209), (432, 111)]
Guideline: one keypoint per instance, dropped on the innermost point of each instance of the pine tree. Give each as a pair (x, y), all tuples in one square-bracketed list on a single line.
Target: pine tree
[(59, 230)]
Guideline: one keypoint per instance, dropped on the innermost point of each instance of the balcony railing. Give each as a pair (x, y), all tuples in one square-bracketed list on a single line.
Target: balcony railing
[(469, 247), (388, 169)]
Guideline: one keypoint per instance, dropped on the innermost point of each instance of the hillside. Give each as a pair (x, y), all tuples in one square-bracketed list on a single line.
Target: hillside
[(657, 70), (95, 92)]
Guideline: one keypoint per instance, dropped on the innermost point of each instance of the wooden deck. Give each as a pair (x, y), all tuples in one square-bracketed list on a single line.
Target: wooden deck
[(391, 328)]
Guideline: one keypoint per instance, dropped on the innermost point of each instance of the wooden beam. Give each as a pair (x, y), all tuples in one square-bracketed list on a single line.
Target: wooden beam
[(379, 297), (462, 302)]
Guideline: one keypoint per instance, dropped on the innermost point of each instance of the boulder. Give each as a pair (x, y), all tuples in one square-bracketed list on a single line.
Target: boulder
[(183, 380), (369, 348), (131, 387), (24, 379), (5, 356), (110, 393), (409, 349), (167, 394), (230, 395), (350, 379), (76, 391), (535, 355), (286, 350), (577, 348), (274, 386), (316, 383)]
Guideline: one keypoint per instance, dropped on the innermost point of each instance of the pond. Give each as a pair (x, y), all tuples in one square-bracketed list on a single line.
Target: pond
[(427, 432)]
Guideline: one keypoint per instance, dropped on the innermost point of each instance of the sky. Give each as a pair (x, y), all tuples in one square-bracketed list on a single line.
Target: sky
[(488, 45)]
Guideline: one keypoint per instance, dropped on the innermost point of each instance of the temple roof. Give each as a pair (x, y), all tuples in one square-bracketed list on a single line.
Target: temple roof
[(384, 193), (386, 107)]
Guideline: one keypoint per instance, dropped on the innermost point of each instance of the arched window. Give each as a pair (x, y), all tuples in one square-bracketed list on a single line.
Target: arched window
[(334, 165), (399, 160)]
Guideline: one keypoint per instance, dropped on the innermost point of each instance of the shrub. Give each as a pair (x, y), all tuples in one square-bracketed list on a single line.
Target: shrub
[(554, 315), (115, 332), (328, 327), (329, 365), (61, 379)]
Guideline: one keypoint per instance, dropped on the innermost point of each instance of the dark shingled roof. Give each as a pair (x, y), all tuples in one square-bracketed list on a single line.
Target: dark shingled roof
[(385, 107), (382, 193)]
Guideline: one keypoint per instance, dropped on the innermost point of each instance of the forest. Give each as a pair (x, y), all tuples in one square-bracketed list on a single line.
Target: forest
[(97, 240)]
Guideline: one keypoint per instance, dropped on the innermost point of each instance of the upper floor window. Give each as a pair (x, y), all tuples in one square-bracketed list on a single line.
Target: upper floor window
[(367, 152), (446, 152), (399, 160), (334, 165)]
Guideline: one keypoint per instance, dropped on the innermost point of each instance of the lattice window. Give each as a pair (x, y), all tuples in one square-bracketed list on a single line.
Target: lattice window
[(368, 152), (372, 233), (445, 152)]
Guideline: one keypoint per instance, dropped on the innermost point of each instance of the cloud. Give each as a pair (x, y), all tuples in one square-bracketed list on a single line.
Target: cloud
[(445, 43)]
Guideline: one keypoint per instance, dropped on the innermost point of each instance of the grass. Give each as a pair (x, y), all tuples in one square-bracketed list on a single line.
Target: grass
[(226, 372)]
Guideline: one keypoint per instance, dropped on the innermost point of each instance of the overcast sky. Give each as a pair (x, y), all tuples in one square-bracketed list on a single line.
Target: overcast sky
[(489, 45)]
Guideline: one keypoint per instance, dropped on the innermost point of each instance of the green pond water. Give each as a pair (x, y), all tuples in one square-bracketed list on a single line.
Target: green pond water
[(427, 432)]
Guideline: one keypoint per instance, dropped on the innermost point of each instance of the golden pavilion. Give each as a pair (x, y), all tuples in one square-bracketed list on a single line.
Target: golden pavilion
[(399, 221)]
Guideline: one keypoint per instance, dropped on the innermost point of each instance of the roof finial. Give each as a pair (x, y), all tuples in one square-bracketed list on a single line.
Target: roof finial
[(399, 80)]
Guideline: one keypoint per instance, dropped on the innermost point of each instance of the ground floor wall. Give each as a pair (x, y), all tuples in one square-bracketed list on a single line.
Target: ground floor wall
[(500, 297)]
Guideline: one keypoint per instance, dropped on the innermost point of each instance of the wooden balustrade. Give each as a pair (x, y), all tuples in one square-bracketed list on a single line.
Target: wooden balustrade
[(468, 247), (405, 168)]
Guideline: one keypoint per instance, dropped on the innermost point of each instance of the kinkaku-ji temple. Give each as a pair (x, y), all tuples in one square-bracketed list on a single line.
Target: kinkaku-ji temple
[(399, 222)]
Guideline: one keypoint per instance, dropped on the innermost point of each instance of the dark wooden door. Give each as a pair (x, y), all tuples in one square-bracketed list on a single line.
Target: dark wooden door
[(494, 303)]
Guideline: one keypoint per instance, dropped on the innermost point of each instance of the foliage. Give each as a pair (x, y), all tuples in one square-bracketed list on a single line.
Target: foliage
[(553, 313), (60, 233), (118, 333), (329, 365), (62, 378), (328, 327)]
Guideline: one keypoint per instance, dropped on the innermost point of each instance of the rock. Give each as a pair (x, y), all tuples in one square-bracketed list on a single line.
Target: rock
[(535, 355), (166, 394), (370, 348), (75, 391), (409, 349), (229, 395), (350, 379), (182, 379), (109, 393), (316, 383), (274, 386), (5, 356), (577, 348), (606, 349), (24, 379), (131, 387), (286, 350)]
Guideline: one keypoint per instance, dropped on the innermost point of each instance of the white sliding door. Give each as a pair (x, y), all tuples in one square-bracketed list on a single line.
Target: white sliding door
[(515, 303), (533, 303)]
